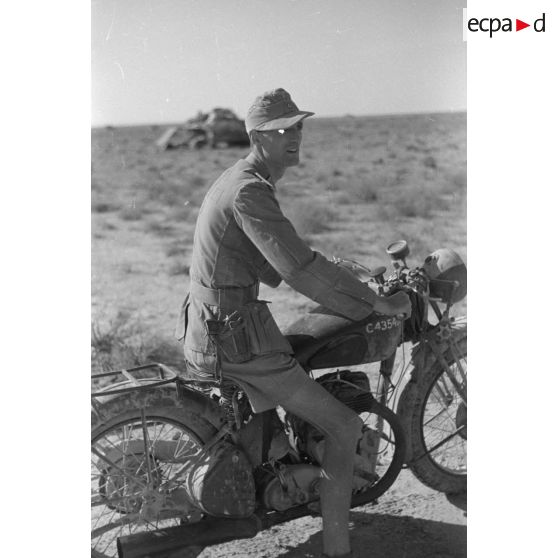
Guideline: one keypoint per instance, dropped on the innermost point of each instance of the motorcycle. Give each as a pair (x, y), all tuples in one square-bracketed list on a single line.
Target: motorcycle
[(178, 465)]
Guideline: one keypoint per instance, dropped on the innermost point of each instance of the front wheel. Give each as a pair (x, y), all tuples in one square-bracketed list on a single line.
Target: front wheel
[(436, 410)]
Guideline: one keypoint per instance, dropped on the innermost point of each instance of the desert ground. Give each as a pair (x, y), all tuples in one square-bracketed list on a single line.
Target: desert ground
[(362, 183)]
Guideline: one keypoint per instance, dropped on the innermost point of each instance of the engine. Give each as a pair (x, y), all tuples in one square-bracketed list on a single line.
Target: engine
[(282, 486)]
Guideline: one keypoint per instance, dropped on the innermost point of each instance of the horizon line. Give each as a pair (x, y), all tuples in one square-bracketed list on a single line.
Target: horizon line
[(316, 117)]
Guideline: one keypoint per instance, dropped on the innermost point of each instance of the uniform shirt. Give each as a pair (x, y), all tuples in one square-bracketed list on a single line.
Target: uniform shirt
[(241, 238)]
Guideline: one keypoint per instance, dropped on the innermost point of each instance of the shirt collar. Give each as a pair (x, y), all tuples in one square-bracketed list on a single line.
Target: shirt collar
[(259, 171), (265, 180)]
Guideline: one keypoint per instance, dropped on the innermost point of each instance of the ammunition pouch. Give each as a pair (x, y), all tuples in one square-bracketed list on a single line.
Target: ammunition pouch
[(230, 337)]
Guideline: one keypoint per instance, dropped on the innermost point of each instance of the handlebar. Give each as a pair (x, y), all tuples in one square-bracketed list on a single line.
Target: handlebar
[(415, 282), (402, 277)]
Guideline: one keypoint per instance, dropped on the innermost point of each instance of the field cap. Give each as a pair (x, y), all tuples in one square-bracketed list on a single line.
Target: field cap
[(274, 110)]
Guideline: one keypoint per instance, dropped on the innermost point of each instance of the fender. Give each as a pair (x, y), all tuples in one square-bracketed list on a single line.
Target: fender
[(173, 394)]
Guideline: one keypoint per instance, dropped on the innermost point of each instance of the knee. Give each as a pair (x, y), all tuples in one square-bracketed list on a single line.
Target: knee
[(349, 431)]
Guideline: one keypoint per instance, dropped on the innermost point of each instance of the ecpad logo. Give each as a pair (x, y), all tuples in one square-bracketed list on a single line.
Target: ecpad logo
[(493, 25)]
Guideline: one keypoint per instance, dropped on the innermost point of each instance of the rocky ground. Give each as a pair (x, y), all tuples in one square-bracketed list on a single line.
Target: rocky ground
[(409, 521)]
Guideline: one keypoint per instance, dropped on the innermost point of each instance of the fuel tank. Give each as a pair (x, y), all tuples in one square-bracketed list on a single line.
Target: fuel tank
[(324, 339)]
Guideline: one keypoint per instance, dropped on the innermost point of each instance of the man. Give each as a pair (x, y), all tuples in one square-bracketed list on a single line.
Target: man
[(242, 238)]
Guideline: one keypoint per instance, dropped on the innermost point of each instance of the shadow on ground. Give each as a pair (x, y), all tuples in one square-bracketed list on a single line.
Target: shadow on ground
[(458, 500), (391, 536)]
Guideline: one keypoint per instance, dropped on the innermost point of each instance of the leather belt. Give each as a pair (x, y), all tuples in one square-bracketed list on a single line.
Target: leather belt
[(231, 296)]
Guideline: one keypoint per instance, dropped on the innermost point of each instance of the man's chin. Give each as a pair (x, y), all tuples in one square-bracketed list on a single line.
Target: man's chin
[(293, 160)]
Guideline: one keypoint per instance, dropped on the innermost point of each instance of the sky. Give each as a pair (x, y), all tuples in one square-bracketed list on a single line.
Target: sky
[(161, 61)]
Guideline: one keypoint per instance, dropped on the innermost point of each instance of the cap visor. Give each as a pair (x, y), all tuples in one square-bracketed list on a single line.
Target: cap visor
[(283, 123)]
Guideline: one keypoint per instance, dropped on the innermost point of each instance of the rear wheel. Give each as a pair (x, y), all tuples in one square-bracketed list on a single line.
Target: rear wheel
[(438, 422), (136, 462)]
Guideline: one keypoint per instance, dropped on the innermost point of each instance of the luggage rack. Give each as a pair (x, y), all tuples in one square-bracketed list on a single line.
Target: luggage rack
[(146, 376)]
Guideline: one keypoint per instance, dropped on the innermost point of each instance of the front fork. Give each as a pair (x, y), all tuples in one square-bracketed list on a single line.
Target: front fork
[(386, 370)]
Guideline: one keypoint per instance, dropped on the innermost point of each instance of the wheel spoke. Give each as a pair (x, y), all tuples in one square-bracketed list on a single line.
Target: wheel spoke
[(444, 413), (444, 441), (128, 459), (126, 520), (129, 477), (434, 417)]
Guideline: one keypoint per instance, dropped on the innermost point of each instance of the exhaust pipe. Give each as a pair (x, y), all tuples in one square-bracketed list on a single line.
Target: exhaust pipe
[(164, 542), (173, 541)]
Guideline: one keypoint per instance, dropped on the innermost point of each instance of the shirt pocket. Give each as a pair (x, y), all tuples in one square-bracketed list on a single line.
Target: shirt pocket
[(264, 334)]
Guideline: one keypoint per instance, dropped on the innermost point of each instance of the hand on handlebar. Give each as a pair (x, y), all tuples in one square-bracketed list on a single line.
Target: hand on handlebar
[(397, 304)]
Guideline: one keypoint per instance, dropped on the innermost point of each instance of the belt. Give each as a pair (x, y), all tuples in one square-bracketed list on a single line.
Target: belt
[(231, 296)]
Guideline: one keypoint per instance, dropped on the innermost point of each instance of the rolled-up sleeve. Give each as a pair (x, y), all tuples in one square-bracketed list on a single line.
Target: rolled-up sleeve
[(259, 215)]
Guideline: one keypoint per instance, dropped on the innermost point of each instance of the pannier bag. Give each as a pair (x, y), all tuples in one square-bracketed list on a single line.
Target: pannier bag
[(219, 481)]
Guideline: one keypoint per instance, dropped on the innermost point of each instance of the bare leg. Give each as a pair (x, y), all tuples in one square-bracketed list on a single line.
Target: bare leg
[(342, 428)]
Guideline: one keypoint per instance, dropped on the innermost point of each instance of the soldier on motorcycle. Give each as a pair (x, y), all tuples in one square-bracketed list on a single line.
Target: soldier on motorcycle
[(241, 239)]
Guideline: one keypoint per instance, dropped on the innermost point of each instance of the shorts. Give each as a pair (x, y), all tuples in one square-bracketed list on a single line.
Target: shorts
[(268, 379)]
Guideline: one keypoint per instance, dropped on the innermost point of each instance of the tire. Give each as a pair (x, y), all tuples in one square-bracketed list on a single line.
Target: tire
[(120, 470), (437, 414), (391, 454)]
